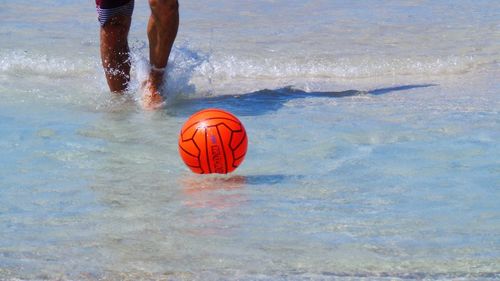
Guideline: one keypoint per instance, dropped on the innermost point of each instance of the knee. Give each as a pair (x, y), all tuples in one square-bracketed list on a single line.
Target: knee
[(164, 6), (115, 31)]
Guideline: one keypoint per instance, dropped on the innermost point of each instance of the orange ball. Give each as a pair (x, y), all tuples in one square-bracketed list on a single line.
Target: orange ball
[(213, 141)]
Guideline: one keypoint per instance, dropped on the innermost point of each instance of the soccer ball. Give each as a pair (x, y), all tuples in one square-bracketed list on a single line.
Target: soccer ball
[(213, 141)]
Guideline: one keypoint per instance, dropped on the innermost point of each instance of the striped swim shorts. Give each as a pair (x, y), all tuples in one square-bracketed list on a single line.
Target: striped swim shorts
[(107, 9)]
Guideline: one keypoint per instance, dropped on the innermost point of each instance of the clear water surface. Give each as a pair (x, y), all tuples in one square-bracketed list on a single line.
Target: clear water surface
[(373, 151)]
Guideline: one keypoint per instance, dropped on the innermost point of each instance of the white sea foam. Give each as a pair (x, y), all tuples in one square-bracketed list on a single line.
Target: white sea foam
[(188, 67), (34, 63), (230, 67)]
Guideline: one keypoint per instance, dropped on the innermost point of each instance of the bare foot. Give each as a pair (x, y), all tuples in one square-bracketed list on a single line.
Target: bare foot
[(151, 95)]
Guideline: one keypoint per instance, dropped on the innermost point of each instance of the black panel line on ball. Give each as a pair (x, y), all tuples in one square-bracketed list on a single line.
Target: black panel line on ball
[(230, 137), (223, 150), (196, 145), (192, 137), (212, 118), (193, 166), (234, 156), (187, 152), (242, 139), (199, 150), (206, 148)]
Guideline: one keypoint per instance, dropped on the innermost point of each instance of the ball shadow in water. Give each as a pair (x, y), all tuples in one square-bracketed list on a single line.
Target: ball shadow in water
[(265, 101)]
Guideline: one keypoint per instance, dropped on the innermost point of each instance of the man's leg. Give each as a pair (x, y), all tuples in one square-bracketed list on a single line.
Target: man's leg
[(115, 17), (162, 30), (115, 52)]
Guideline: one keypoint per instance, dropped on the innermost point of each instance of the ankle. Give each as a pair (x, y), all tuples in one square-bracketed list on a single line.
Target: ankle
[(156, 77)]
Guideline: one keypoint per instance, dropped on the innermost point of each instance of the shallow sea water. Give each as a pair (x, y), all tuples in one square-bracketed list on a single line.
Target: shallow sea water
[(373, 145)]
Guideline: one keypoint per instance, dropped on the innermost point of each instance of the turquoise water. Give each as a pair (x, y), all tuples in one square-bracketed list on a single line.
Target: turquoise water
[(373, 145)]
